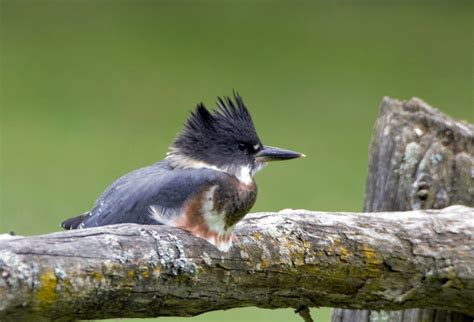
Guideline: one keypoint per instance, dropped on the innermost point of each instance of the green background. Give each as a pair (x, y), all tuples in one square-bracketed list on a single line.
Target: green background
[(93, 89)]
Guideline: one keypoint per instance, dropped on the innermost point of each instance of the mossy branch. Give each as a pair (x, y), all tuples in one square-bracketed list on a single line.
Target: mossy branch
[(292, 258)]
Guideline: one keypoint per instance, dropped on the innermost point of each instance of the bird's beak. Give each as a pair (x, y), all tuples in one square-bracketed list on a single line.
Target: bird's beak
[(269, 153)]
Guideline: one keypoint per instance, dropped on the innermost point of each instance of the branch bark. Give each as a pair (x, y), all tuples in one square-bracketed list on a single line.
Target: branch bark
[(419, 158), (289, 259)]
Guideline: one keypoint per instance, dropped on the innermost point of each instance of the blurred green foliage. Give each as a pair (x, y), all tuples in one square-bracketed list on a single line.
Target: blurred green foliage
[(93, 89)]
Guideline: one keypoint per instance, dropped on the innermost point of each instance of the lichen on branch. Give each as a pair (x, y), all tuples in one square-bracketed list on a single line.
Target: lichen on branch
[(293, 258)]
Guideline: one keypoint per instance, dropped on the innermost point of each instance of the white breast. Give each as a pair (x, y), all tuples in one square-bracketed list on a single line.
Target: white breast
[(214, 220), (244, 174)]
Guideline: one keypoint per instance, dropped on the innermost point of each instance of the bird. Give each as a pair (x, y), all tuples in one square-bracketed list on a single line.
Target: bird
[(205, 185)]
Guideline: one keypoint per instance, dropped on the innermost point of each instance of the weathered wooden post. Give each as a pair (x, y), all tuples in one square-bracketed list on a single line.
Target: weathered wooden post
[(419, 158)]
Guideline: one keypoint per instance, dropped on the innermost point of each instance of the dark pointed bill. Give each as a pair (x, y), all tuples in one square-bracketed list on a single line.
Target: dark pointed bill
[(269, 153)]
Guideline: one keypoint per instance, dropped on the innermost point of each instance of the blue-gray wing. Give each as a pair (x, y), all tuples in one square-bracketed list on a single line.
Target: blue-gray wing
[(151, 195)]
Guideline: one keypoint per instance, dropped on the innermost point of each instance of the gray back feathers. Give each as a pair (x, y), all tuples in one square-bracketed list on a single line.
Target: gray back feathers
[(128, 200)]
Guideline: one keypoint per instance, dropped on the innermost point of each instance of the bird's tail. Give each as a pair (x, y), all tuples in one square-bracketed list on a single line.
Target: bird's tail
[(74, 222)]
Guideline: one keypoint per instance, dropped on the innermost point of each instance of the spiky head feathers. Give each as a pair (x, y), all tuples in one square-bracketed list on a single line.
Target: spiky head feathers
[(219, 137)]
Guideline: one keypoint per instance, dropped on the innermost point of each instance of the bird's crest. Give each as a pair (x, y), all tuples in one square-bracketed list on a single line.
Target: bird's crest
[(207, 130), (230, 116)]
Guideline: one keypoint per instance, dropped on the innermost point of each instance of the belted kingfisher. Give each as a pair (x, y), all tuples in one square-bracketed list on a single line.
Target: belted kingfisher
[(204, 185)]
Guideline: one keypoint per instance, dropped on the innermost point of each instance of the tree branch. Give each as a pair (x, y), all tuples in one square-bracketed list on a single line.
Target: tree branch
[(293, 258)]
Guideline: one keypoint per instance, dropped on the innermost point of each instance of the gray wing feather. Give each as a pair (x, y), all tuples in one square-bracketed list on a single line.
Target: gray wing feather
[(130, 198)]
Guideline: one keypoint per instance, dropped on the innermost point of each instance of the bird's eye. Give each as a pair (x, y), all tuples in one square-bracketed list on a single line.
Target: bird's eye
[(241, 147)]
